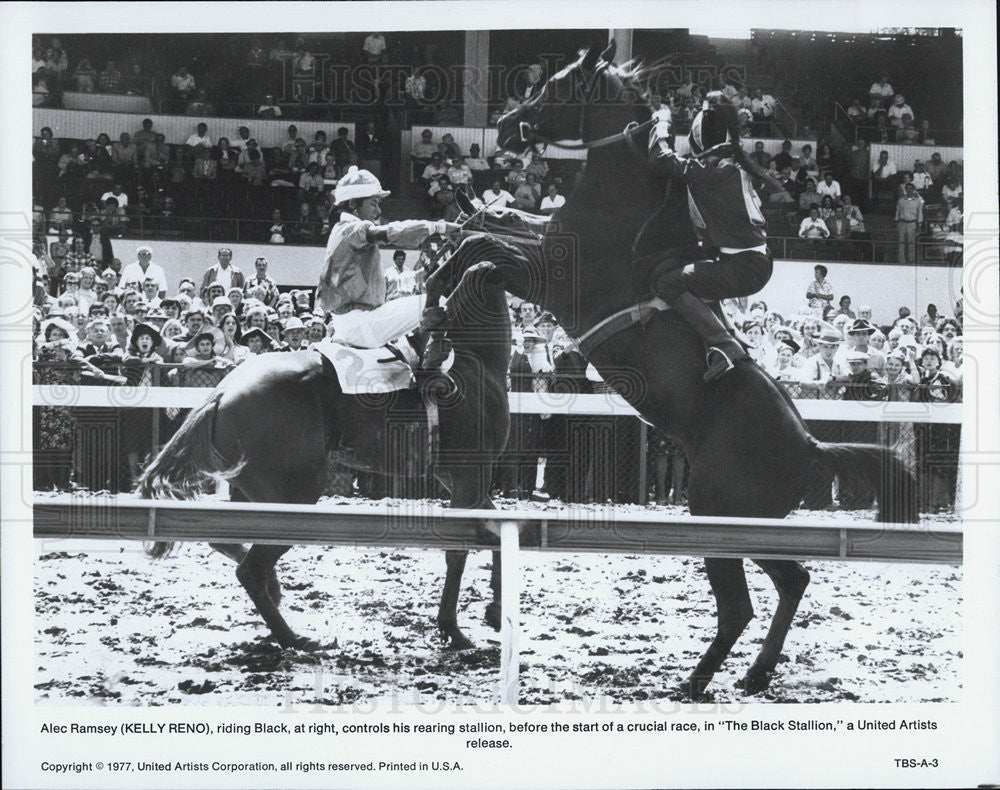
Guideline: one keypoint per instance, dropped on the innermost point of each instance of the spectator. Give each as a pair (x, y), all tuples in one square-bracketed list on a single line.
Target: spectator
[(305, 229), (183, 84), (859, 336), (125, 159), (883, 177), (552, 201), (199, 137), (783, 158), (374, 48), (817, 375), (448, 147), (531, 83), (434, 170), (809, 196), (400, 281), (136, 83), (60, 217), (369, 144), (311, 185), (516, 174), (223, 272), (819, 293), (906, 134), (909, 216), (253, 171), (840, 227), (84, 77), (268, 108), (828, 186), (826, 209), (277, 230), (199, 106), (898, 110), (926, 135), (458, 172), (807, 161), (118, 194), (760, 156), (844, 308), (136, 273), (856, 112), (343, 151), (813, 227), (527, 194), (496, 196), (922, 180), (110, 80), (937, 170), (951, 192), (423, 153), (881, 89)]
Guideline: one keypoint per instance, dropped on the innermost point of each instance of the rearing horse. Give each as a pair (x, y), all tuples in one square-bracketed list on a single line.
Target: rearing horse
[(750, 451)]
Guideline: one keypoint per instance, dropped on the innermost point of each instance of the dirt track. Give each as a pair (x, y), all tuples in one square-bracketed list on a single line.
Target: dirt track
[(114, 627)]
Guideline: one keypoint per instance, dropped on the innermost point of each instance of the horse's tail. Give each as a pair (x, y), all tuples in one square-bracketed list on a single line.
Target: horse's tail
[(186, 464), (894, 484)]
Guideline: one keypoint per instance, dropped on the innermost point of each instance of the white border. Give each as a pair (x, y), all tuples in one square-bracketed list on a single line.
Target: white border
[(972, 732)]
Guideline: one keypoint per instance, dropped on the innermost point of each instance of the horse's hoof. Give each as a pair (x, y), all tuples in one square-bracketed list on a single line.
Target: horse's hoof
[(691, 691), (456, 640), (300, 643), (492, 616), (754, 683)]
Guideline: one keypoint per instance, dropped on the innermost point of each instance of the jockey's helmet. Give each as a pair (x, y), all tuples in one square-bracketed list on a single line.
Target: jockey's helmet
[(358, 184), (711, 129)]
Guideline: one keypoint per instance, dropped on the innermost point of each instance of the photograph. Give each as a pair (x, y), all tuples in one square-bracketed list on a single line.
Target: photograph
[(529, 367)]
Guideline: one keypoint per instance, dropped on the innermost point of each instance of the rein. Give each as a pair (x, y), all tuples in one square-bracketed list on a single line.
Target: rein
[(626, 134)]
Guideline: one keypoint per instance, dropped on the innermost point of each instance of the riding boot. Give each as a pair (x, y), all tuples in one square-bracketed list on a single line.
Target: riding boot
[(723, 348), (432, 323)]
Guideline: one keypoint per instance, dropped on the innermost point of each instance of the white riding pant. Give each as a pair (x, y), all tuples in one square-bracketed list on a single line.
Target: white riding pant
[(374, 328)]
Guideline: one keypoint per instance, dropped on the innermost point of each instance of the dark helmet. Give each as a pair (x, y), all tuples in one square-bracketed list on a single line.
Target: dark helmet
[(715, 126)]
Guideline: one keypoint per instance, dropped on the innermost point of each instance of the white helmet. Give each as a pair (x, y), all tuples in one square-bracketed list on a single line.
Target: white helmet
[(358, 184)]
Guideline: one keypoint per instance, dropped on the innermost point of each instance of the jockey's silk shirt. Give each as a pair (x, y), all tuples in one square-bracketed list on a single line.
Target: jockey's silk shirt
[(723, 204), (352, 276)]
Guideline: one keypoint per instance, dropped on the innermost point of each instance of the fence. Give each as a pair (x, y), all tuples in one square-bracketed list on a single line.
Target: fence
[(66, 517), (595, 449)]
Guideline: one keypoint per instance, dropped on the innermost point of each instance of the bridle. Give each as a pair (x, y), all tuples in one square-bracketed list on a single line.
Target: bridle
[(530, 136)]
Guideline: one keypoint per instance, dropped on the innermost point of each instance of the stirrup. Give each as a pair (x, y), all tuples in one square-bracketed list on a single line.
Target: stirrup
[(718, 368)]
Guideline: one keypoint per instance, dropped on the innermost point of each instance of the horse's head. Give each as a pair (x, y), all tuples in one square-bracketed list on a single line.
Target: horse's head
[(589, 100)]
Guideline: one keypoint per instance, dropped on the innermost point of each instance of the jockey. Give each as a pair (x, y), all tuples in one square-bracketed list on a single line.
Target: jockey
[(352, 284), (726, 213)]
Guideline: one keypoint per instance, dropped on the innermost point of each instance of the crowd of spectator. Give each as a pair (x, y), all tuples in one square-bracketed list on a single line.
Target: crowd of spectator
[(130, 324)]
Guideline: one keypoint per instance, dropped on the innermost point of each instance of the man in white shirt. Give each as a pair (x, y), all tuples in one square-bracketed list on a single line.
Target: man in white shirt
[(475, 159), (200, 137), (400, 281), (882, 89), (552, 201), (898, 110), (921, 178), (829, 187), (223, 273), (118, 195), (882, 178), (497, 197), (459, 172), (137, 272), (813, 227)]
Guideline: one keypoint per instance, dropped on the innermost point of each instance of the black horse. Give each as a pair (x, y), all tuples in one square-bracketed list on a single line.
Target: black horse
[(750, 452), (269, 426)]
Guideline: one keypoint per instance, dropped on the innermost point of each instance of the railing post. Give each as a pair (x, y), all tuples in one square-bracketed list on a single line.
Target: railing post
[(510, 597), (643, 462)]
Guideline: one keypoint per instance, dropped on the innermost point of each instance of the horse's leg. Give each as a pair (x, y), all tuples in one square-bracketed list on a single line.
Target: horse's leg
[(447, 619), (253, 574), (790, 580), (237, 551), (735, 610)]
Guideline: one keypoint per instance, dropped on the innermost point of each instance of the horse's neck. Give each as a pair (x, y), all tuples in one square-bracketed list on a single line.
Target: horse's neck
[(620, 176)]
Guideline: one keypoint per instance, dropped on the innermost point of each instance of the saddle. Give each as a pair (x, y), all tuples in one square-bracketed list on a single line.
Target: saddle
[(370, 371)]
